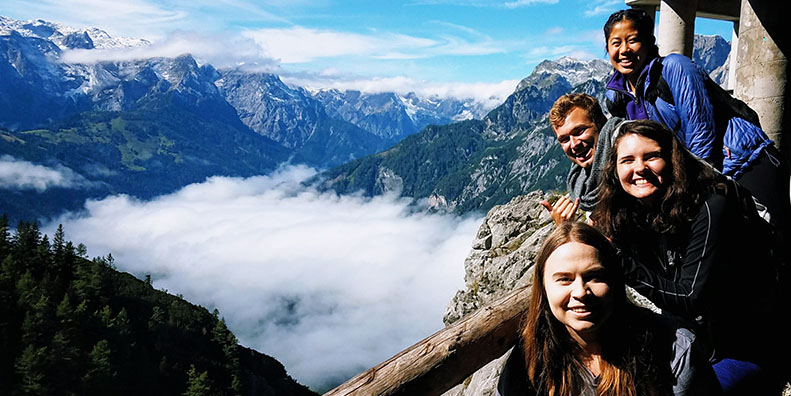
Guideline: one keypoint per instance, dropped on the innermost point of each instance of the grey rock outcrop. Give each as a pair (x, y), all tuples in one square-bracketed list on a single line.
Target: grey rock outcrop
[(713, 53), (502, 254), (501, 259)]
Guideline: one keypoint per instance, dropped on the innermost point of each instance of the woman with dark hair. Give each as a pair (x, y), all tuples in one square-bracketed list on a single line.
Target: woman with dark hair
[(693, 243), (582, 337), (676, 92)]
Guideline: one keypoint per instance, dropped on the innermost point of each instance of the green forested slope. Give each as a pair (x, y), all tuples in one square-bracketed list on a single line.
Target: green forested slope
[(141, 153), (73, 326)]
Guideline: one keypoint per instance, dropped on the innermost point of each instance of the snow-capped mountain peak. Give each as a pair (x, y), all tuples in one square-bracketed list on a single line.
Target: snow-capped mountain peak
[(575, 71), (64, 36)]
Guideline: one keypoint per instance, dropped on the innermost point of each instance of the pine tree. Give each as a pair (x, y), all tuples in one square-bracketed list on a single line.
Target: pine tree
[(37, 327), (82, 251), (27, 291), (228, 343), (197, 384), (58, 241), (31, 367), (99, 377)]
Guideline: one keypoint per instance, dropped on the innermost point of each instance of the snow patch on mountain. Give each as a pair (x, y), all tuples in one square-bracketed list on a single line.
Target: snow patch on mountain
[(60, 34), (575, 71)]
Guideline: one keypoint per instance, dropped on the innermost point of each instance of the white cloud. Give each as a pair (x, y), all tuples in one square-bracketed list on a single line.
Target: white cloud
[(551, 52), (523, 3), (489, 95), (143, 18), (131, 16), (220, 50), (300, 45), (24, 175), (600, 7), (329, 285), (555, 31)]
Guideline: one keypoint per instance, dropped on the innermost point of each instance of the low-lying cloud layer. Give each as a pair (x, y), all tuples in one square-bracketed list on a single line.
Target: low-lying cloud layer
[(24, 175), (329, 285)]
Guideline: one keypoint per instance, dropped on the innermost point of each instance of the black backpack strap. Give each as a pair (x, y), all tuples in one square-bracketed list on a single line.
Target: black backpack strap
[(659, 87), (616, 106), (726, 106)]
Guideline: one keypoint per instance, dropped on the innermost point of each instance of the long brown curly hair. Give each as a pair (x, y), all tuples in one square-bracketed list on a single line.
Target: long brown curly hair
[(629, 348), (688, 182)]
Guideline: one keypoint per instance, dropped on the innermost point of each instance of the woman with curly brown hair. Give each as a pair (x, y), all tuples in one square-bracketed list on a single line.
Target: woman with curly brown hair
[(712, 124), (692, 242), (582, 336)]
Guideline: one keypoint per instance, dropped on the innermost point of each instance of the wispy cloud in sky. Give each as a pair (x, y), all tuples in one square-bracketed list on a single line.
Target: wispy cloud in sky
[(220, 50), (523, 3), (329, 285), (145, 18), (24, 175), (299, 44), (601, 7)]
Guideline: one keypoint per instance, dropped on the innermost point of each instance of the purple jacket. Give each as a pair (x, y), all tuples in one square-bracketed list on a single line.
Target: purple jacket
[(692, 115)]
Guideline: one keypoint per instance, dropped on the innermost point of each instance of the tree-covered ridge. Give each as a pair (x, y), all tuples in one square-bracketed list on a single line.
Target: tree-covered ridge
[(140, 153), (471, 165), (69, 325)]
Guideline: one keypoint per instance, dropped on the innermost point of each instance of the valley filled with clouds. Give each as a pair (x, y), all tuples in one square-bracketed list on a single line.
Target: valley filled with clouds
[(329, 285)]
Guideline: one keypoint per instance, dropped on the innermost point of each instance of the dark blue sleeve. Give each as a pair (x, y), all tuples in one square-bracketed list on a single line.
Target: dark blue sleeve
[(692, 103)]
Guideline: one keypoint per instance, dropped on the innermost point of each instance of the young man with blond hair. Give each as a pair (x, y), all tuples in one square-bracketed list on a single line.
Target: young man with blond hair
[(585, 135)]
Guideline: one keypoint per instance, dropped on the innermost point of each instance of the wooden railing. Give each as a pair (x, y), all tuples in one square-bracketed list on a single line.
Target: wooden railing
[(445, 359)]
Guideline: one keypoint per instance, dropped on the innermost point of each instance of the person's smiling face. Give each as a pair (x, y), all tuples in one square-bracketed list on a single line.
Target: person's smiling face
[(641, 167), (627, 53), (577, 290), (578, 136)]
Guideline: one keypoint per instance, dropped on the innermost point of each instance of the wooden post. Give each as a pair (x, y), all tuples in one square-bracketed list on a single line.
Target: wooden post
[(445, 359)]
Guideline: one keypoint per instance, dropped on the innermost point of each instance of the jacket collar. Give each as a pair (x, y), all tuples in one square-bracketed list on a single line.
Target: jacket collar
[(618, 81)]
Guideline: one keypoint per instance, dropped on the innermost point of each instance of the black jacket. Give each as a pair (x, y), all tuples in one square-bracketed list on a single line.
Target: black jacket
[(717, 271)]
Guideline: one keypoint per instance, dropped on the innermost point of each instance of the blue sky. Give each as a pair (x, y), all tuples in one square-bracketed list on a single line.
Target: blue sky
[(449, 47)]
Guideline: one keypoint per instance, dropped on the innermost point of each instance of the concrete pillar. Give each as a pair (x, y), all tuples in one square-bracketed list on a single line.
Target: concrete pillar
[(762, 67), (649, 9), (733, 57), (676, 26)]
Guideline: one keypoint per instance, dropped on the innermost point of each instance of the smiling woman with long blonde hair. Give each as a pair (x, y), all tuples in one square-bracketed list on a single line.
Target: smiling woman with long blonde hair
[(582, 337)]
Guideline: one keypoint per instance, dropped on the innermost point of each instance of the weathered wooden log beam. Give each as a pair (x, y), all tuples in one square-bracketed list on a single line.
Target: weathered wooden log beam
[(445, 359)]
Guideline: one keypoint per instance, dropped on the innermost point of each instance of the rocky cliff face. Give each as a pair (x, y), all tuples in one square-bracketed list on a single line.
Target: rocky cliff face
[(713, 54), (502, 254), (501, 260)]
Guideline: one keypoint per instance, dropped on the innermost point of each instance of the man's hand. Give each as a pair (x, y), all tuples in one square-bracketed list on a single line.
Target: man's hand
[(564, 209)]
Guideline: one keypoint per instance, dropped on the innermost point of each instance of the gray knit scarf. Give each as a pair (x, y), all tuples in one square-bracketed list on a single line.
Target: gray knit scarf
[(583, 183)]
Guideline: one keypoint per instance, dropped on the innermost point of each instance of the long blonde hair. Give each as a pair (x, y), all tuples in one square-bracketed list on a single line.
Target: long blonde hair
[(553, 358)]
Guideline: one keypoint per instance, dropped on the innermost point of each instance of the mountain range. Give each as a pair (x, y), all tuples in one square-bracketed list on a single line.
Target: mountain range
[(147, 127)]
